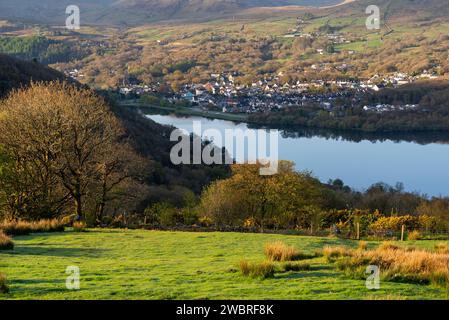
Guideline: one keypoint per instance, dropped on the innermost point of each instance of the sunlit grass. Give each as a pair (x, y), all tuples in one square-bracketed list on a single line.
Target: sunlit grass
[(127, 264)]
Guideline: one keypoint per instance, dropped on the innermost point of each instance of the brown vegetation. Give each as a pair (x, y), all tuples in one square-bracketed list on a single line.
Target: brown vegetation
[(62, 147), (396, 263), (3, 284), (5, 242), (21, 227)]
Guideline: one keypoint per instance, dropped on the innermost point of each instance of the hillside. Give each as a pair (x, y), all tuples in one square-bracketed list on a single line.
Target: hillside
[(134, 12), (15, 73), (165, 182)]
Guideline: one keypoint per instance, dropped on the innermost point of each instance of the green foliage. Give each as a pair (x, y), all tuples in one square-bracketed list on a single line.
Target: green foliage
[(410, 222), (288, 199), (40, 48)]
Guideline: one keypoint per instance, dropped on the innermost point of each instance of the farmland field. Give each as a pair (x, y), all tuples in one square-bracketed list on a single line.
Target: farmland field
[(139, 264)]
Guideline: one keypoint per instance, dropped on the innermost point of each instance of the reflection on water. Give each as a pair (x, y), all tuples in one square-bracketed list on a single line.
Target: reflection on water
[(420, 161)]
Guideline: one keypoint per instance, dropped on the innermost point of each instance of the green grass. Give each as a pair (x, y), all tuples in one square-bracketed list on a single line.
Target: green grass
[(139, 264)]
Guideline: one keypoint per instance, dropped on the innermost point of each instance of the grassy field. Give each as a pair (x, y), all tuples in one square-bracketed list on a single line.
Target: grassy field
[(139, 264)]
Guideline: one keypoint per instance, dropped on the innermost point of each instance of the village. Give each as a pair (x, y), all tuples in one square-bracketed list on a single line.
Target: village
[(223, 93)]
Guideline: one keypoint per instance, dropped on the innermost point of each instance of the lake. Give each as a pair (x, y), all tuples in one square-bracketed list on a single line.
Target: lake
[(421, 162)]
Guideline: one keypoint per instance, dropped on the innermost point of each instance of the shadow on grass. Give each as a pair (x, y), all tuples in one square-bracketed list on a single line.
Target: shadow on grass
[(305, 274), (37, 281), (57, 252)]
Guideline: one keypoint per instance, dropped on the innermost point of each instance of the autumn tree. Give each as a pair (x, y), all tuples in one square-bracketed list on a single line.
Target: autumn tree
[(287, 199), (69, 141)]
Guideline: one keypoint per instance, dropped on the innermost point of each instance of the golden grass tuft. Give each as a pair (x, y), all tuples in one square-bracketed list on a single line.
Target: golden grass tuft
[(333, 253), (261, 270), (5, 242), (363, 245), (278, 251), (3, 284), (396, 264), (20, 227), (79, 226), (414, 235)]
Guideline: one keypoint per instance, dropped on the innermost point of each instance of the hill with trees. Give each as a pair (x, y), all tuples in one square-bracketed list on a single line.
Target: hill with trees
[(132, 156), (15, 73)]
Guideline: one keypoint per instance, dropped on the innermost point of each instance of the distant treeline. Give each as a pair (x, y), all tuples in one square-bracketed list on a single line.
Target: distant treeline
[(42, 49)]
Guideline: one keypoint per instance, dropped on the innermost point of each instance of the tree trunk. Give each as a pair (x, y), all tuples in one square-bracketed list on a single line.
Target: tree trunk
[(79, 207)]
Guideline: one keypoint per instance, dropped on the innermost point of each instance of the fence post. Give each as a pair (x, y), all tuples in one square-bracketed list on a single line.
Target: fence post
[(402, 232)]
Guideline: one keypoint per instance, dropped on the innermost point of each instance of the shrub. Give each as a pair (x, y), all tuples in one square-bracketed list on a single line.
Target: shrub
[(295, 266), (3, 284), (260, 270), (414, 235), (278, 251), (79, 226), (5, 242)]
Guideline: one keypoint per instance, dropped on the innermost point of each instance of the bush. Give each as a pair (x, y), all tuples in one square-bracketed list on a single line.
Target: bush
[(260, 270), (79, 226), (5, 242), (3, 284)]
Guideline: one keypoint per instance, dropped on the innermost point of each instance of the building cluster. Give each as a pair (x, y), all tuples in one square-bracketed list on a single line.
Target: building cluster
[(223, 93)]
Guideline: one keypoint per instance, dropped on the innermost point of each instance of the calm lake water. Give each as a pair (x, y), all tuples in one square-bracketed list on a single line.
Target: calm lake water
[(421, 164)]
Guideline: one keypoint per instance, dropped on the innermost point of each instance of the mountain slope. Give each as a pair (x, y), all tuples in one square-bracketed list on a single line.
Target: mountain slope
[(166, 182), (133, 12), (15, 73)]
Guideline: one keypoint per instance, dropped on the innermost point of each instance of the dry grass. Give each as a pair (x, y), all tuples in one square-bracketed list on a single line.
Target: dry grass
[(278, 251), (396, 264), (363, 245), (414, 235), (19, 227), (3, 284), (5, 242), (79, 226), (260, 270), (333, 253)]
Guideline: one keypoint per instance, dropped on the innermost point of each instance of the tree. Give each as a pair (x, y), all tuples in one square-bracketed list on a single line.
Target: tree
[(69, 142), (287, 199)]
